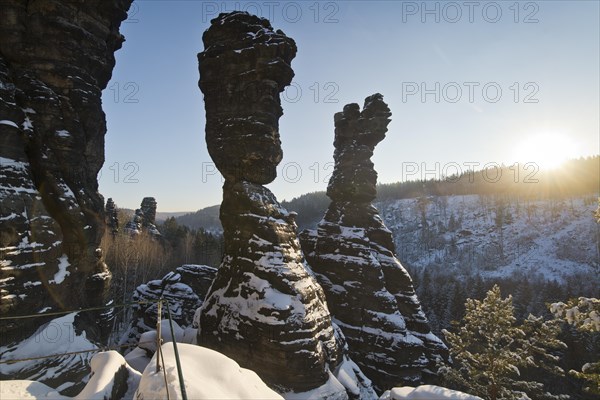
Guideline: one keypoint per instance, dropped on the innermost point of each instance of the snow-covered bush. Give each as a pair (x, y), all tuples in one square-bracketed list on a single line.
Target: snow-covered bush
[(425, 392), (583, 313)]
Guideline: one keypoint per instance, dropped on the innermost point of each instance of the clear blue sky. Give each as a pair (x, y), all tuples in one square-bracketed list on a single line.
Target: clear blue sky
[(543, 56)]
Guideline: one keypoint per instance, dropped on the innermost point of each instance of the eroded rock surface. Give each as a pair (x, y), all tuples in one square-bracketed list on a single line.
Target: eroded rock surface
[(243, 68), (184, 289), (144, 219), (112, 217), (369, 293), (265, 309), (55, 59), (148, 207)]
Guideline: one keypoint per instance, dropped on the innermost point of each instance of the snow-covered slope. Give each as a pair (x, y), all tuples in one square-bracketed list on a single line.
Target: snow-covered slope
[(496, 236), (68, 370), (111, 377), (207, 375)]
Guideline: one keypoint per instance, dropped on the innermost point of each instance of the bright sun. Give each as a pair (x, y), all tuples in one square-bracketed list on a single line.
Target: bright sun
[(547, 150)]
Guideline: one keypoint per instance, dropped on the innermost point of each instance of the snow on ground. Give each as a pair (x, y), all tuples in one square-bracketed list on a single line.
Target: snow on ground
[(105, 367), (55, 337), (25, 390), (140, 356), (353, 379), (425, 392), (207, 375), (330, 390)]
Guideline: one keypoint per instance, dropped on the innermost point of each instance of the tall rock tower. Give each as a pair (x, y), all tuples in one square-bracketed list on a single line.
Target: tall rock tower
[(369, 293), (265, 309), (56, 57)]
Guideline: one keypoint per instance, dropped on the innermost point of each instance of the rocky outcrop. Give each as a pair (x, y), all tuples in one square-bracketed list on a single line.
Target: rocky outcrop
[(55, 59), (198, 277), (265, 309), (112, 217), (184, 289), (369, 293), (264, 300), (144, 219), (135, 225), (148, 207)]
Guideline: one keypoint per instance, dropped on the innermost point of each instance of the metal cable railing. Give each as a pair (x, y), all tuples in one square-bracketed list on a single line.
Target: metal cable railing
[(159, 356)]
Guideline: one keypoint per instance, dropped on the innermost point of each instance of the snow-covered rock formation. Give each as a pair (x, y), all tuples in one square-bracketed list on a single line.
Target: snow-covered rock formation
[(55, 59), (369, 293), (198, 277), (112, 217), (110, 378), (184, 289), (144, 219), (207, 375), (265, 309)]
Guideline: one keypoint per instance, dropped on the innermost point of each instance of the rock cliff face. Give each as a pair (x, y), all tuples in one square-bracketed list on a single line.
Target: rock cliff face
[(55, 59), (265, 309), (369, 293)]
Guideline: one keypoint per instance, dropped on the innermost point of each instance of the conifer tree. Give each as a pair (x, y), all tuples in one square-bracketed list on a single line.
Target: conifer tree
[(489, 348), (584, 314)]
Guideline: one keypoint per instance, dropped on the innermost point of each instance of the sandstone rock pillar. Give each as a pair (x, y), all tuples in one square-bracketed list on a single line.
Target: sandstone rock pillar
[(369, 293), (265, 309)]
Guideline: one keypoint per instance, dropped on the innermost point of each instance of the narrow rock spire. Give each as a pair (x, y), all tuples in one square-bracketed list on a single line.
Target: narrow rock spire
[(369, 293)]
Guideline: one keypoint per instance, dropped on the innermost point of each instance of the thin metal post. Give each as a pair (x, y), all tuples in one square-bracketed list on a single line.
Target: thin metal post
[(177, 362), (158, 338)]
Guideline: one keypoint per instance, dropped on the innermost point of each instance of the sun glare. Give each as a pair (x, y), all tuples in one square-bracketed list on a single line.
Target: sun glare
[(548, 151)]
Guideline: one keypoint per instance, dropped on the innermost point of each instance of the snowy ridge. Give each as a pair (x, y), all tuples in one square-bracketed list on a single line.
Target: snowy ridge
[(207, 375), (110, 377), (496, 236)]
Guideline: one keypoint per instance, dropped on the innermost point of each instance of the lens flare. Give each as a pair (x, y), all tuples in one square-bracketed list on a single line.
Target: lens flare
[(547, 150)]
